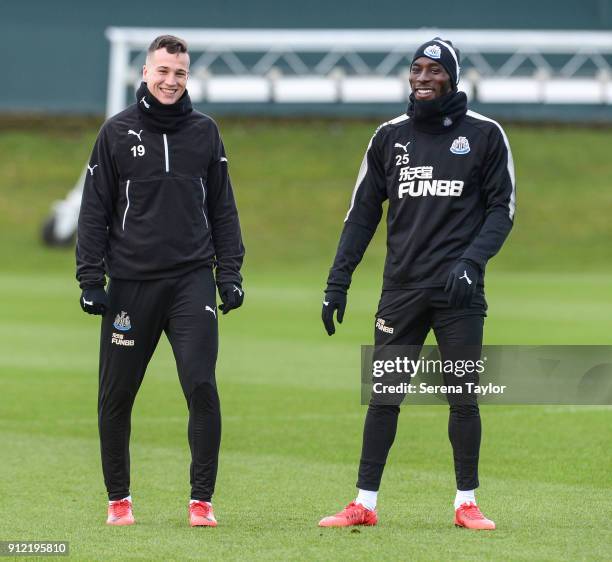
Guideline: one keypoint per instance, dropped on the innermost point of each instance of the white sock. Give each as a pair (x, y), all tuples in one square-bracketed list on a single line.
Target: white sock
[(367, 499), (126, 498), (193, 501), (464, 496)]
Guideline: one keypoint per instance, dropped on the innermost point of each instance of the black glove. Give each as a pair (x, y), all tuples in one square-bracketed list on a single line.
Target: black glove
[(462, 283), (334, 300), (94, 301), (232, 296)]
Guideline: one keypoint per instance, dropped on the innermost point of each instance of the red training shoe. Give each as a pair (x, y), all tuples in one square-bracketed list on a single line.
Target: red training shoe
[(120, 513), (352, 514), (468, 515), (201, 515)]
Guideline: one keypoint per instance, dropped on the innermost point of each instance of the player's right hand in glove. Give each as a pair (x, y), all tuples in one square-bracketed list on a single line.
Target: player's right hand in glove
[(332, 302), (232, 296), (94, 301)]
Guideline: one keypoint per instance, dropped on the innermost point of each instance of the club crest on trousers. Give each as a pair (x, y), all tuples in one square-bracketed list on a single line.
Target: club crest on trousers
[(122, 322)]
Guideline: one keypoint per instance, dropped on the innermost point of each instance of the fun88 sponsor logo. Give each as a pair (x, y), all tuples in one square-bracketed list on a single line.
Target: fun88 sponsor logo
[(424, 188), (421, 183)]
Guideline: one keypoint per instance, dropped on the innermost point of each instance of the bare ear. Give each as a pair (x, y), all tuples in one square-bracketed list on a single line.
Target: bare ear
[(144, 72)]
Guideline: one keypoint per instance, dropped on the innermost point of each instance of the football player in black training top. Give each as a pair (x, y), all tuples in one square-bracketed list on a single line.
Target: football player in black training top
[(448, 176), (158, 218)]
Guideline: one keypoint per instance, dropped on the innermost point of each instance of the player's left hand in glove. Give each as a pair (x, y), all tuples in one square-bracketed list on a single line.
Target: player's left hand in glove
[(332, 302), (232, 296), (94, 301), (462, 283)]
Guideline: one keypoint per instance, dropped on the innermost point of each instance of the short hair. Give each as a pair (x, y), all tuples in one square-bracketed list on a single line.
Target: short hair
[(171, 43)]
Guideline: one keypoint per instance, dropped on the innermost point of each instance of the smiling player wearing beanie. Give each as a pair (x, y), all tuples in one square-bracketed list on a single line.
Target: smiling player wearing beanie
[(448, 175)]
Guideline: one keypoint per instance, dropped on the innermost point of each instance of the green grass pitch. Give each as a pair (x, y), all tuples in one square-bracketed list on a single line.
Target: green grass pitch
[(290, 394)]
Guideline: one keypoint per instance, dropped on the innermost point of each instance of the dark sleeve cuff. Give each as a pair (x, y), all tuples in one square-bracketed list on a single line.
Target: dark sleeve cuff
[(353, 243)]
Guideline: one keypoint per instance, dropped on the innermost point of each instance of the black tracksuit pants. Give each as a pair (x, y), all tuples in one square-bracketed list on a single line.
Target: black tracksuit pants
[(411, 314), (185, 308)]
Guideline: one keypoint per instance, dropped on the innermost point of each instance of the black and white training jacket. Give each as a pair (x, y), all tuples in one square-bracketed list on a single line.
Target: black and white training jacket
[(451, 193), (157, 200)]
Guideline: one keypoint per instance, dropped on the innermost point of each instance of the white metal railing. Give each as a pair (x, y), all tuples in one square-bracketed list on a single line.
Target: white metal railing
[(349, 66)]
